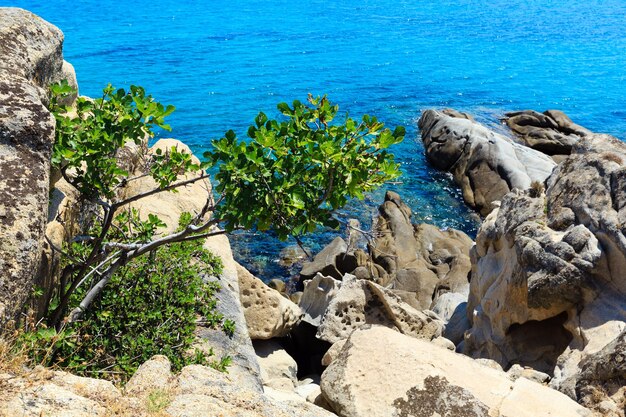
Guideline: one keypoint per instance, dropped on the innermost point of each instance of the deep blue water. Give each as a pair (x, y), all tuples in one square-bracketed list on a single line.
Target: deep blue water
[(221, 62)]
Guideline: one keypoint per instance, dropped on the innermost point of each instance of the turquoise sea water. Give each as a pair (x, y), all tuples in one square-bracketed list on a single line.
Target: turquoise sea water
[(220, 62)]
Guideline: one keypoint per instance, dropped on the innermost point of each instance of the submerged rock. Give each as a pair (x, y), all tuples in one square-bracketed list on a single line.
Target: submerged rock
[(485, 164)]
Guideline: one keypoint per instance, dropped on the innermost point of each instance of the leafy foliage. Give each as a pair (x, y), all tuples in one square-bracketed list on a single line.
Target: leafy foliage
[(87, 141), (292, 174)]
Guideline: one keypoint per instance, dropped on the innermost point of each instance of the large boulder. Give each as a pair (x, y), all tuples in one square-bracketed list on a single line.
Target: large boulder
[(361, 302), (268, 313), (548, 286), (238, 346), (32, 58), (380, 372), (486, 165), (550, 132)]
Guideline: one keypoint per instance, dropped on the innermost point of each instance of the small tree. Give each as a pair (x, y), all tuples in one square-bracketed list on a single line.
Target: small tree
[(289, 176)]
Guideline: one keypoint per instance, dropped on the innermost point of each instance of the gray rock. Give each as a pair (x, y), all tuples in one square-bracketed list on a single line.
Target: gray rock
[(550, 132), (451, 307), (600, 384), (316, 296), (32, 58), (485, 164), (548, 287), (245, 367)]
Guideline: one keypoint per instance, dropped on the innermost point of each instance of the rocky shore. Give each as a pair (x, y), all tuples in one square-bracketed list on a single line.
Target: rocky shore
[(527, 320)]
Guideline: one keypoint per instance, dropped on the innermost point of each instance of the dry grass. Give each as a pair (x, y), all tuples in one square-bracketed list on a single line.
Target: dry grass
[(13, 357), (536, 189), (19, 372)]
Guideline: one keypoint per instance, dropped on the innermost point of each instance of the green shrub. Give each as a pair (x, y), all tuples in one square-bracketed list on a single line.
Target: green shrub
[(153, 306)]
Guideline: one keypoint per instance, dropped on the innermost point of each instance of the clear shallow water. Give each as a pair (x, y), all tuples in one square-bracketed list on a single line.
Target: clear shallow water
[(221, 62)]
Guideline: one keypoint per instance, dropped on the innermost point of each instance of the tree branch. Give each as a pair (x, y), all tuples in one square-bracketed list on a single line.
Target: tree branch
[(159, 190), (134, 250)]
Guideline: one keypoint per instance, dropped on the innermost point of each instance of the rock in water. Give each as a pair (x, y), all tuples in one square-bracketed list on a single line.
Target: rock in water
[(380, 372), (548, 285), (422, 260), (485, 164), (32, 58), (550, 132), (325, 262)]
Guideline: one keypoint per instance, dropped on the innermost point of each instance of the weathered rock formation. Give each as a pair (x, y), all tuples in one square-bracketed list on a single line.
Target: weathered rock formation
[(417, 262), (380, 372), (601, 384), (550, 132), (32, 58), (485, 164), (420, 262), (361, 302), (316, 297), (548, 284), (268, 313)]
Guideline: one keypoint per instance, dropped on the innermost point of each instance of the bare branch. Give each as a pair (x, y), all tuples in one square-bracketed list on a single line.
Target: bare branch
[(77, 312), (133, 250)]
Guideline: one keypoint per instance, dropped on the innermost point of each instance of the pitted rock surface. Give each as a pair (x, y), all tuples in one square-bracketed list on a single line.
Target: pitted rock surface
[(268, 314), (360, 302), (31, 51), (548, 287)]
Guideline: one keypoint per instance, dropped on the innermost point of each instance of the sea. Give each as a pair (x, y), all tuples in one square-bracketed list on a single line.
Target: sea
[(220, 62)]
